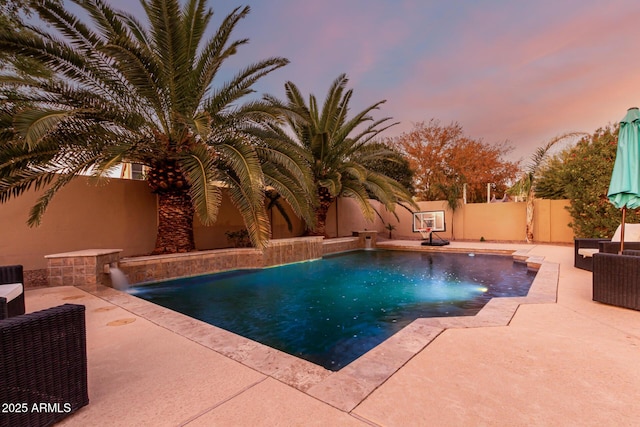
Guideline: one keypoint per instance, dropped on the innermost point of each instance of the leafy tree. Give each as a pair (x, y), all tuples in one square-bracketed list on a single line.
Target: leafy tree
[(550, 184), (527, 183), (587, 174), (338, 150), (127, 91), (444, 159), (582, 173)]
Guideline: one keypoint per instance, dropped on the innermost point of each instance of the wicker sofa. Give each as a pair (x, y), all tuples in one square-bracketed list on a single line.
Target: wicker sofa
[(11, 291), (584, 249), (43, 366), (616, 279)]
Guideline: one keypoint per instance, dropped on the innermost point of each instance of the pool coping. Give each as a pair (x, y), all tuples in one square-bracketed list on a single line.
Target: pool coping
[(348, 387)]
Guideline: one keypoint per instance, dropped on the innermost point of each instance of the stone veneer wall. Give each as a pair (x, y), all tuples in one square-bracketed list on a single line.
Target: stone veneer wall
[(81, 268), (161, 267), (343, 244), (286, 251), (90, 268)]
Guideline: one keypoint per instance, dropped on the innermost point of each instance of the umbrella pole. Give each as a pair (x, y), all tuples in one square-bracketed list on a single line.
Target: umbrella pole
[(624, 220)]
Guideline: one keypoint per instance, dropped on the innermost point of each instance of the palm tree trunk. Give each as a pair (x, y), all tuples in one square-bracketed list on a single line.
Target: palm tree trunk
[(529, 227), (175, 222), (321, 213)]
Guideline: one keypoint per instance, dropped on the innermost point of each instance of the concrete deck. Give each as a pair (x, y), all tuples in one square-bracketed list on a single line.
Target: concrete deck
[(548, 359)]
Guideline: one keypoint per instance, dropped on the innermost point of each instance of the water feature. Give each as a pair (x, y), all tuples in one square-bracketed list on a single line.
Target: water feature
[(118, 279), (367, 243), (333, 310)]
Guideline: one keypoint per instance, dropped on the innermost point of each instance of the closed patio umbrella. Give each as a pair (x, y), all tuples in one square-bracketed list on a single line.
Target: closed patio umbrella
[(624, 189)]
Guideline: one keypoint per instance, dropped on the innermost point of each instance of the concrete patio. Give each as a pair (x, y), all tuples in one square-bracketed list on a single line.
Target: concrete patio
[(535, 362)]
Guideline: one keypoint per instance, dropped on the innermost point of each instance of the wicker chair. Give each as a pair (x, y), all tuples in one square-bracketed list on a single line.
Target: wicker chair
[(585, 248), (616, 279), (12, 274), (43, 366)]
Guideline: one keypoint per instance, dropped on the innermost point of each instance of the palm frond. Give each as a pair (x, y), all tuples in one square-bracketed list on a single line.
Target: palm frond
[(33, 125), (331, 106), (356, 191), (244, 165), (200, 169), (253, 213), (217, 50), (296, 197), (241, 85)]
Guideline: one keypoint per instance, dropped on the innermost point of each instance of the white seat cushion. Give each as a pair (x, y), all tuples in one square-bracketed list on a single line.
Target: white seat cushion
[(631, 233), (587, 252), (11, 291)]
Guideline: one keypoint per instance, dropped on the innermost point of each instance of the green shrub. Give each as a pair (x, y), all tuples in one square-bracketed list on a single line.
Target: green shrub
[(586, 175), (239, 239)]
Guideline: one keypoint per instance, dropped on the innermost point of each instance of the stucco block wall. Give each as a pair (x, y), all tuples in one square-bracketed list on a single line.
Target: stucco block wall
[(494, 221), (214, 237), (82, 215), (122, 214)]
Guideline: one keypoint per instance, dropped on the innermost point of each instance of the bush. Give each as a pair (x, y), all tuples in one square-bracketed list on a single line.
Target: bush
[(586, 175), (239, 239)]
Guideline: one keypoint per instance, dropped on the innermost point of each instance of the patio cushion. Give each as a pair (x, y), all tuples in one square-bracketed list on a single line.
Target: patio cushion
[(631, 233), (11, 291), (587, 252)]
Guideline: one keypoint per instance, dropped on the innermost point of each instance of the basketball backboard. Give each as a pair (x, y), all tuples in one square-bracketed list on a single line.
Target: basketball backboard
[(433, 220)]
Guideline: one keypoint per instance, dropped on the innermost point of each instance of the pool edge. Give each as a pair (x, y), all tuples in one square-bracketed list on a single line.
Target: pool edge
[(348, 387)]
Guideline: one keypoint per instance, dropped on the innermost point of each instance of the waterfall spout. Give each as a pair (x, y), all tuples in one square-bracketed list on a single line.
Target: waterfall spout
[(118, 279), (367, 243)]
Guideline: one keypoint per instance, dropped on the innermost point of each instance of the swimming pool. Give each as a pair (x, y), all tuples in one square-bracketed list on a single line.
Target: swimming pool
[(331, 311)]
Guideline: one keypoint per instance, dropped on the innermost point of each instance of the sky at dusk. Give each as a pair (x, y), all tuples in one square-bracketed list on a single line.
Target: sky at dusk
[(516, 71)]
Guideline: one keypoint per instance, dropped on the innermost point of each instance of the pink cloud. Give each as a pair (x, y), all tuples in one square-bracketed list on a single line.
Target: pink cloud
[(528, 86), (518, 71)]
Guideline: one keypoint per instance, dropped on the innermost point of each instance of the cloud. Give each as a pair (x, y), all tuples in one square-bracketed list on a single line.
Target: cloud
[(531, 82), (520, 71)]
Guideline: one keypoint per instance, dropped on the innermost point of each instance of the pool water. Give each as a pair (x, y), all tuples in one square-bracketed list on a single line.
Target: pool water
[(332, 311)]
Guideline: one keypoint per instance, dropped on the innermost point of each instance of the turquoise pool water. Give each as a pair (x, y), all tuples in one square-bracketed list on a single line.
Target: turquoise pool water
[(331, 311)]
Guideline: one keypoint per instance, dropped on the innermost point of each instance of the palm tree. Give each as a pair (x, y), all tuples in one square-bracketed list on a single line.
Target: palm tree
[(338, 148), (128, 92), (526, 184), (452, 193)]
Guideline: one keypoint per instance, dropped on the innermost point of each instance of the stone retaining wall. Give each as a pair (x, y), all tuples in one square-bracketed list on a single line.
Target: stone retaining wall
[(91, 267), (360, 239), (286, 251), (342, 244), (162, 267), (81, 268)]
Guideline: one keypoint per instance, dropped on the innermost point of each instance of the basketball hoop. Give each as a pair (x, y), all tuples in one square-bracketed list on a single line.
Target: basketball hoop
[(424, 232)]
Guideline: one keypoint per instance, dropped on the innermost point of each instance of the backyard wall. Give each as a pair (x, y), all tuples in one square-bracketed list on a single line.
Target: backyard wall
[(116, 214), (121, 214), (473, 221), (229, 219)]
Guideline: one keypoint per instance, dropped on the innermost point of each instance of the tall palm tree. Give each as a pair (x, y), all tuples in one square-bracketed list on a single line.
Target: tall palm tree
[(125, 91), (338, 148)]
